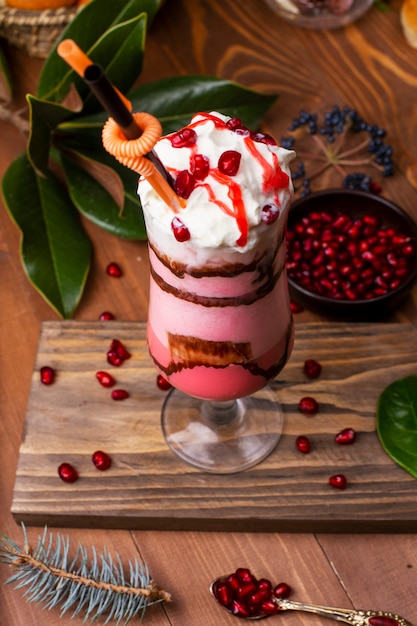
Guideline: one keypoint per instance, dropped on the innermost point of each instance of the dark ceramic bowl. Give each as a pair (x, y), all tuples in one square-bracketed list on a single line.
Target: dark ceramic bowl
[(352, 295)]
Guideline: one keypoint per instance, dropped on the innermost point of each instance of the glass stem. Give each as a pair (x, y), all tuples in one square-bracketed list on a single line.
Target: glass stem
[(220, 413)]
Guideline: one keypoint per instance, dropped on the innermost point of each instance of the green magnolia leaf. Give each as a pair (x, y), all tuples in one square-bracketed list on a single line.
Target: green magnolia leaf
[(55, 250), (44, 118), (95, 31), (174, 100), (94, 199), (5, 80), (397, 422)]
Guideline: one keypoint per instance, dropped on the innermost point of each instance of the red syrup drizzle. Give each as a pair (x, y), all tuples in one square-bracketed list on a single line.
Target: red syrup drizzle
[(273, 178)]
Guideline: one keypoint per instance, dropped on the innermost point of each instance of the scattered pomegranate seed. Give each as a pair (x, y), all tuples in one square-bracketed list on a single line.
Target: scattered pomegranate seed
[(184, 184), (308, 405), (119, 394), (312, 368), (303, 444), (269, 213), (229, 162), (113, 269), (106, 316), (105, 379), (184, 138), (117, 353), (295, 307), (282, 590), (346, 436), (181, 232), (199, 166), (47, 375), (338, 481), (101, 460), (162, 383), (67, 473)]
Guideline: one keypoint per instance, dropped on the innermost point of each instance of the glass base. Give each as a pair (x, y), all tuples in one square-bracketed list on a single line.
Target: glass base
[(222, 437)]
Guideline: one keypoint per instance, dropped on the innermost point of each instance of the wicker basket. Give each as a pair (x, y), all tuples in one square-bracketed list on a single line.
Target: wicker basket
[(35, 32)]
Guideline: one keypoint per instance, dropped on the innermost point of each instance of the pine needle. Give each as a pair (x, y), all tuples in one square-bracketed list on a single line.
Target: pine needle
[(95, 585)]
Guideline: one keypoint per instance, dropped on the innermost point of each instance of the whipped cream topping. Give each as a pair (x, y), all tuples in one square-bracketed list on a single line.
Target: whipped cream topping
[(236, 185)]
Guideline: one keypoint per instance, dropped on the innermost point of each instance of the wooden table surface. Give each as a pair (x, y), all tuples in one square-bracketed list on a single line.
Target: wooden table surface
[(367, 65)]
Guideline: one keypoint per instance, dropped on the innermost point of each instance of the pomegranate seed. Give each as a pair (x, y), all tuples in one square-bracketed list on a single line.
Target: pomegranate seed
[(67, 473), (106, 316), (105, 379), (181, 232), (303, 444), (119, 394), (312, 368), (308, 405), (234, 122), (263, 138), (295, 307), (346, 436), (184, 184), (381, 620), (184, 138), (47, 375), (239, 609), (245, 590), (199, 166), (114, 359), (244, 575), (269, 213), (162, 383), (282, 590), (229, 162), (113, 269), (338, 481), (223, 593), (269, 607), (101, 460), (233, 582), (117, 347)]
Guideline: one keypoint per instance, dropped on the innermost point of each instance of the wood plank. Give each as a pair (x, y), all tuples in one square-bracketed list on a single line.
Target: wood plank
[(149, 487)]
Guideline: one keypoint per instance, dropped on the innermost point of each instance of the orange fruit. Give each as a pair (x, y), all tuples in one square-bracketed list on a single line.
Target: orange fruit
[(39, 5)]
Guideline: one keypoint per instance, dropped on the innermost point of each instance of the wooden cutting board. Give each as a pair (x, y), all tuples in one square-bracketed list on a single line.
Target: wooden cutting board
[(148, 487)]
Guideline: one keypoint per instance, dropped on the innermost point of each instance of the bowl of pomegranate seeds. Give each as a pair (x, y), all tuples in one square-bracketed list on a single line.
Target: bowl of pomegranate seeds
[(350, 252)]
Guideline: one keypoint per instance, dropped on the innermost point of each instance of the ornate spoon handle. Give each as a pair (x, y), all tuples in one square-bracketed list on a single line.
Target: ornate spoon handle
[(354, 617)]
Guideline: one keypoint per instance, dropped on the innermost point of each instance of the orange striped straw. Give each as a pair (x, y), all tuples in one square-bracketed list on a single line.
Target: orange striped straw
[(131, 153)]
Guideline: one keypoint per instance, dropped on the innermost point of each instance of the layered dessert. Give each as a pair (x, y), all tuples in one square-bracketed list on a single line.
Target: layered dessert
[(219, 324)]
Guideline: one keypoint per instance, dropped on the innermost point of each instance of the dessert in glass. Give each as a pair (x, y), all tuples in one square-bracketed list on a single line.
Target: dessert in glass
[(219, 325)]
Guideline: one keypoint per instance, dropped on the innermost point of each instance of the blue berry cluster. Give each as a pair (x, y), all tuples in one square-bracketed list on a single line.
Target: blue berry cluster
[(335, 122)]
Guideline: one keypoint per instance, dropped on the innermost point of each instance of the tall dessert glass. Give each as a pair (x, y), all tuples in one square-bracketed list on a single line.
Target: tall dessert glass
[(219, 324)]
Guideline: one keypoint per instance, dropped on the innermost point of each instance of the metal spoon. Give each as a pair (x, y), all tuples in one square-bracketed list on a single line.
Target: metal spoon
[(354, 617)]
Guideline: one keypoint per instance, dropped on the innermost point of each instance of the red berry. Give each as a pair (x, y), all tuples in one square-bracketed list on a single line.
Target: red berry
[(118, 348), (199, 166), (47, 375), (181, 232), (106, 316), (282, 590), (338, 481), (295, 307), (119, 394), (303, 444), (346, 436), (162, 383), (101, 460), (105, 379), (113, 269), (184, 138), (269, 213), (184, 184), (312, 368), (229, 162), (67, 473), (308, 405)]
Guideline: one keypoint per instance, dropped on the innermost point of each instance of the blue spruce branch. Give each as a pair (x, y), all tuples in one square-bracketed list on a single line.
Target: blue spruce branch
[(97, 588)]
